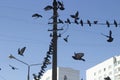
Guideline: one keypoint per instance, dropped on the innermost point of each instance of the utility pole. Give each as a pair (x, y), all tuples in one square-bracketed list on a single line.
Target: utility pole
[(55, 37), (59, 5)]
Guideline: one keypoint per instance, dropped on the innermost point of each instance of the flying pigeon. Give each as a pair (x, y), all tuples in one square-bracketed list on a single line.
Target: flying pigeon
[(48, 8), (21, 51), (61, 5), (14, 68), (110, 38), (37, 15), (78, 56), (66, 38), (76, 16)]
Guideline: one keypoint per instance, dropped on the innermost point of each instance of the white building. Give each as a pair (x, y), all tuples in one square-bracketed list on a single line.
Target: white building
[(62, 74), (110, 67)]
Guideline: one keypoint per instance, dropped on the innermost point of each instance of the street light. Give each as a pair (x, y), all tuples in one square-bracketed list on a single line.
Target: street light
[(28, 65)]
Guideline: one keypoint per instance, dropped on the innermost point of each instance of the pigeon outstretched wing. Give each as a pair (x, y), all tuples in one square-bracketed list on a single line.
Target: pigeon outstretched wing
[(21, 51)]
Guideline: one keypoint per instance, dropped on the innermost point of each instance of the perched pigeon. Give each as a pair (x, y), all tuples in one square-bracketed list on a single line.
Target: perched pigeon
[(115, 23), (88, 22), (95, 22), (110, 38), (21, 51), (78, 56), (60, 21), (68, 21), (81, 22), (66, 38), (108, 24)]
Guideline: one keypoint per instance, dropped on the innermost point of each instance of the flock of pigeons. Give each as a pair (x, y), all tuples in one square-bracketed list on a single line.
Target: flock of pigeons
[(75, 17), (45, 62)]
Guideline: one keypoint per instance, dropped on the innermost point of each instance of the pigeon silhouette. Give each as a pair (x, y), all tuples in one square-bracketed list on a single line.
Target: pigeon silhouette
[(14, 68), (108, 24), (68, 21), (37, 15), (61, 5), (66, 38), (48, 8), (60, 21), (76, 16), (81, 22), (115, 23), (78, 56), (89, 23), (110, 38), (21, 51)]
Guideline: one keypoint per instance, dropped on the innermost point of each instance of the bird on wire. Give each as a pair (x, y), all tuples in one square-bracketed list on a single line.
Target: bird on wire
[(68, 21), (108, 24), (13, 68), (81, 22), (36, 15), (60, 21), (115, 23), (110, 38), (88, 22), (21, 51), (66, 38), (78, 56)]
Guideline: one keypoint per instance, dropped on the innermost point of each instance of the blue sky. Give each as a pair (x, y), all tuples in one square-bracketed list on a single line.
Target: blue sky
[(19, 29)]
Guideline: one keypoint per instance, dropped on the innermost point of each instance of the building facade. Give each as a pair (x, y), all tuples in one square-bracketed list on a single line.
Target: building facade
[(108, 68), (62, 74)]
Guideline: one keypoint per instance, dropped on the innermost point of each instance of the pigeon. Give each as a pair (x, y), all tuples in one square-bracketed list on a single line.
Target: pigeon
[(110, 38), (61, 5), (95, 22), (75, 16), (48, 8), (108, 24), (89, 23), (21, 51), (66, 38), (115, 23), (76, 22), (37, 15), (60, 21), (78, 56), (81, 22), (14, 68), (68, 21)]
